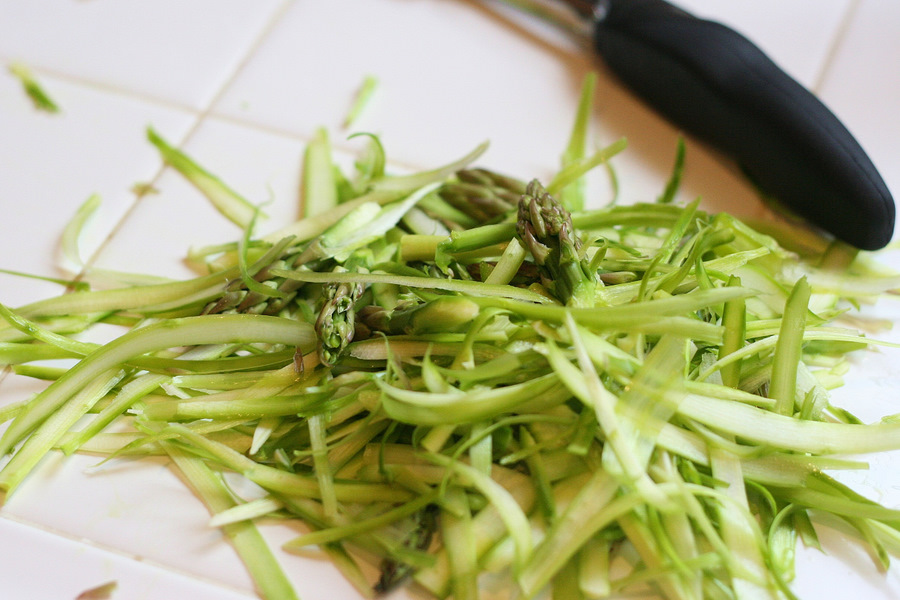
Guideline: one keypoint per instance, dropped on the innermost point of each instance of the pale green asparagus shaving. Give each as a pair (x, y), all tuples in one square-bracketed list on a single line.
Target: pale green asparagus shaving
[(232, 205), (587, 387), (127, 396), (787, 351), (451, 285), (319, 190), (253, 509), (137, 298), (75, 285), (510, 512), (668, 194), (62, 343), (362, 100), (72, 232), (48, 432), (39, 98), (324, 536), (100, 592), (165, 334), (408, 183), (268, 575), (459, 541), (323, 467), (575, 170), (747, 569), (12, 410), (572, 194)]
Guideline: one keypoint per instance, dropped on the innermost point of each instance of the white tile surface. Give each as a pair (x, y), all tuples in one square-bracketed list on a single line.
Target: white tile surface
[(137, 507), (72, 567), (469, 84), (447, 80), (863, 86), (259, 165), (796, 34), (452, 73), (51, 163), (182, 52)]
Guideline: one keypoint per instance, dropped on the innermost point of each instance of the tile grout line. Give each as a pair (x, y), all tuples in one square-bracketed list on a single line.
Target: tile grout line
[(103, 87), (834, 46), (200, 117), (238, 68), (124, 554), (337, 145), (199, 114)]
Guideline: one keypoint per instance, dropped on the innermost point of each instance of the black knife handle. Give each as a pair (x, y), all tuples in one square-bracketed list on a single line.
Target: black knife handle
[(717, 85)]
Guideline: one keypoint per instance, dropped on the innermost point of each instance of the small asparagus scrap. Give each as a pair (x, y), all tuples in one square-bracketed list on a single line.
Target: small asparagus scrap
[(101, 592), (545, 227), (35, 92), (232, 205), (363, 97)]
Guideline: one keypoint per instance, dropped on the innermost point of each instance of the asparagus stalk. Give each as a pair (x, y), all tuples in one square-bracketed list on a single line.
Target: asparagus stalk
[(545, 227), (336, 323)]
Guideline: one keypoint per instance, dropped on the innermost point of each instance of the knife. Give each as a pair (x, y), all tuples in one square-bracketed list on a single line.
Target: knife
[(717, 85)]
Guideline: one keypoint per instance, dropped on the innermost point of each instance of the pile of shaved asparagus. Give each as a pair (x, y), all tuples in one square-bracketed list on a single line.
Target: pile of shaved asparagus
[(451, 373)]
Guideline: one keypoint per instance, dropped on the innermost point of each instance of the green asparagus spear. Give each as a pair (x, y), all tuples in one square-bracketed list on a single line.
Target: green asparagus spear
[(545, 227)]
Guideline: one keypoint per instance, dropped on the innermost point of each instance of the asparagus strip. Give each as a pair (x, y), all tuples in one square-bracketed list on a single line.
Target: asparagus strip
[(572, 195), (268, 575), (37, 95), (233, 206)]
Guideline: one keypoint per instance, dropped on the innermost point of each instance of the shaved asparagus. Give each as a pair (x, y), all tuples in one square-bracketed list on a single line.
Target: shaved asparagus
[(231, 204), (363, 97), (320, 192), (572, 195), (35, 92), (270, 579), (447, 372)]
